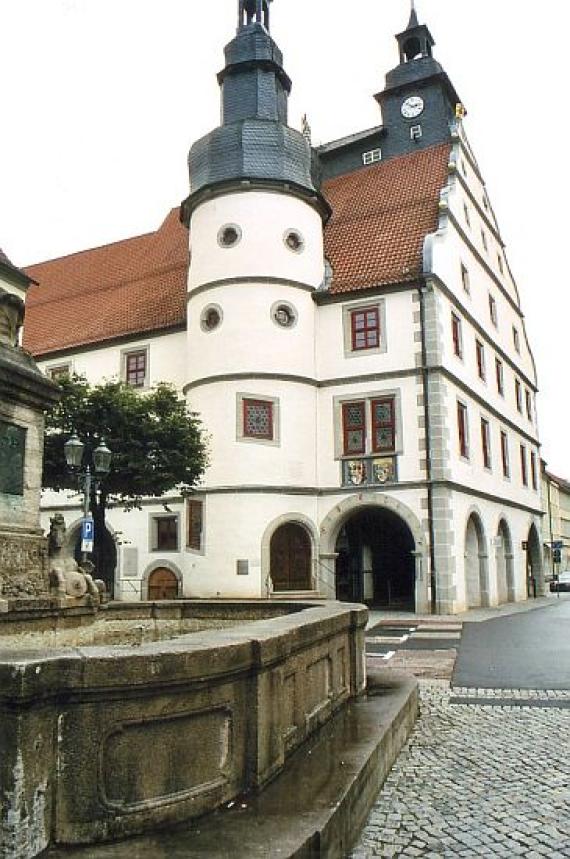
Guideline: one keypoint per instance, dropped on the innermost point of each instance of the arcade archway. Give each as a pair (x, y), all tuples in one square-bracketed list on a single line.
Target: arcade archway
[(476, 580), (505, 564), (376, 560), (534, 569)]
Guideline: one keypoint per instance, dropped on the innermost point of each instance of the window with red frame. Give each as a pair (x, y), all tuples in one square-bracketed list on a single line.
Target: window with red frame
[(456, 335), (528, 399), (480, 349), (365, 328), (500, 377), (354, 428), (135, 369), (462, 430), (518, 395), (533, 476), (195, 519), (486, 442), (383, 425), (505, 454), (258, 419), (524, 473)]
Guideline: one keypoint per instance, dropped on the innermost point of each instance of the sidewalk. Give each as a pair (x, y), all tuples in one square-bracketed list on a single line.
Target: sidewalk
[(472, 615)]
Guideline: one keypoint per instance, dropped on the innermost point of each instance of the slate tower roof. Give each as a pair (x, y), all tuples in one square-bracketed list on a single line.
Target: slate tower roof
[(254, 144)]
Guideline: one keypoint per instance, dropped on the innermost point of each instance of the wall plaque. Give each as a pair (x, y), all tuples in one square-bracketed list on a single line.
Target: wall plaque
[(12, 455)]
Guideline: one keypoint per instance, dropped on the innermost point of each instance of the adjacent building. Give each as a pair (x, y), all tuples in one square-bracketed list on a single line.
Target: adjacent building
[(349, 330)]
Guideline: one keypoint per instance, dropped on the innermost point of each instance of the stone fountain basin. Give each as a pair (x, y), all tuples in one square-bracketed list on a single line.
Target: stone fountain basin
[(198, 704)]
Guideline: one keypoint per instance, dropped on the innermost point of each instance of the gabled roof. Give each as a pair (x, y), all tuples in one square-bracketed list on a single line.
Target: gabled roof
[(381, 215), (133, 286)]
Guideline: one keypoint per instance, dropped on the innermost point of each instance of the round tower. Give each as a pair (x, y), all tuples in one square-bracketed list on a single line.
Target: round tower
[(255, 217)]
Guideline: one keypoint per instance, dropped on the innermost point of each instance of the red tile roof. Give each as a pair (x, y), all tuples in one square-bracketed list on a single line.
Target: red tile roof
[(381, 215), (129, 287)]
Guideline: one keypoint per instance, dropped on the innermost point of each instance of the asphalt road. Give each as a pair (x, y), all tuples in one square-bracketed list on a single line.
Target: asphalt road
[(522, 651)]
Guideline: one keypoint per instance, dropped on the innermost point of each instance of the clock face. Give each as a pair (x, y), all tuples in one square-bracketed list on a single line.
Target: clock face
[(412, 107)]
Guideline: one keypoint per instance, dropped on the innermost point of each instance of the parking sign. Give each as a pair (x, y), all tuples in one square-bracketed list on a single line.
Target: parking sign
[(87, 535)]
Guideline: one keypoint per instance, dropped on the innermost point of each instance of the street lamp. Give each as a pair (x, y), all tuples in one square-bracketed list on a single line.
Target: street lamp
[(96, 468)]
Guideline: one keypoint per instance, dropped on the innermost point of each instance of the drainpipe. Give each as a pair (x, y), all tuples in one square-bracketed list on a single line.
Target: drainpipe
[(550, 523), (425, 387)]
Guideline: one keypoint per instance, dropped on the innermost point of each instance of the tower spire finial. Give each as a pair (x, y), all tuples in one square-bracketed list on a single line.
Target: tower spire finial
[(253, 12), (413, 16)]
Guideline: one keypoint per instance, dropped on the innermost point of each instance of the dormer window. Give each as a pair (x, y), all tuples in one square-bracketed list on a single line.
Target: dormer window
[(372, 157)]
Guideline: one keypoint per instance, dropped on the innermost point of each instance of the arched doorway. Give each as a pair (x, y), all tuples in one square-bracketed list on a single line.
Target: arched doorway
[(104, 557), (534, 572), (376, 560), (505, 564), (290, 558), (162, 585), (476, 586)]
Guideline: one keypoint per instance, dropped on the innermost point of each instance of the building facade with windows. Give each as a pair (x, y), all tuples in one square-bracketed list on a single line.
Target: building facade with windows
[(350, 332)]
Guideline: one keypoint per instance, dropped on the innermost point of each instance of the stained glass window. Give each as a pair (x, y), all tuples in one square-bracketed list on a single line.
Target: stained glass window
[(354, 427), (383, 425), (258, 419)]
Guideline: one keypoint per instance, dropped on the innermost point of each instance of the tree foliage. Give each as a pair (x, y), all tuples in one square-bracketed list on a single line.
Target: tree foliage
[(157, 442)]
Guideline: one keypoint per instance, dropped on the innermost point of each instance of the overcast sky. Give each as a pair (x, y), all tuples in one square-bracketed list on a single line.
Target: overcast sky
[(101, 100)]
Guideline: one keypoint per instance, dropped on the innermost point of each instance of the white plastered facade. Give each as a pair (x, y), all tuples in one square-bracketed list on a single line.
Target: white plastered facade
[(254, 486)]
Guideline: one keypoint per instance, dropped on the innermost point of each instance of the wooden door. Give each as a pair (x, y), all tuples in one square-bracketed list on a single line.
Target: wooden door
[(291, 558), (162, 585)]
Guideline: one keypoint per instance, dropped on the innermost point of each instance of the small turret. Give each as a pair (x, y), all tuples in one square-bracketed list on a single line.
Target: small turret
[(254, 144)]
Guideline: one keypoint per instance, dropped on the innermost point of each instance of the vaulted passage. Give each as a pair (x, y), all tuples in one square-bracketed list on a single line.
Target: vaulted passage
[(376, 562)]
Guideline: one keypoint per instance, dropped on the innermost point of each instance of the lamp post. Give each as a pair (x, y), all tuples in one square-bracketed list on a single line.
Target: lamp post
[(96, 468)]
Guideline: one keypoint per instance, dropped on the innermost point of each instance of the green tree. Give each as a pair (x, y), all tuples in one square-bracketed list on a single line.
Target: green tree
[(157, 444)]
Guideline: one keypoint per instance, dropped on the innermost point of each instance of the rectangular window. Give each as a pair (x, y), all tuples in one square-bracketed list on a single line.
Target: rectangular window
[(500, 377), (465, 279), (258, 419), (524, 474), (528, 400), (372, 157), (354, 428), (456, 335), (195, 515), (384, 425), (493, 310), (166, 533), (516, 339), (518, 395), (505, 454), (365, 328), (484, 241), (486, 442), (480, 350), (61, 371), (462, 428), (533, 475), (466, 214), (501, 264), (135, 368)]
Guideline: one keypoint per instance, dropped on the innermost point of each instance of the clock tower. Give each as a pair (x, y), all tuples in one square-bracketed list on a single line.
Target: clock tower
[(419, 103)]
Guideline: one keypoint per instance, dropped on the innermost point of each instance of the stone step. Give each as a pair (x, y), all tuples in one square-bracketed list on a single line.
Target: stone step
[(296, 595)]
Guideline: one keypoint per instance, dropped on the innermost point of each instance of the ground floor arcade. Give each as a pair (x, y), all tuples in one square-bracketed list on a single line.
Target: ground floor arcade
[(371, 547)]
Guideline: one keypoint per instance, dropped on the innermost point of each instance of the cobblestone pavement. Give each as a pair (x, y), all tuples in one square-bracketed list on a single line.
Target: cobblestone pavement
[(477, 781)]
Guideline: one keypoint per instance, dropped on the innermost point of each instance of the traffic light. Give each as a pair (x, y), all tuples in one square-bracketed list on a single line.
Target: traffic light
[(556, 556)]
